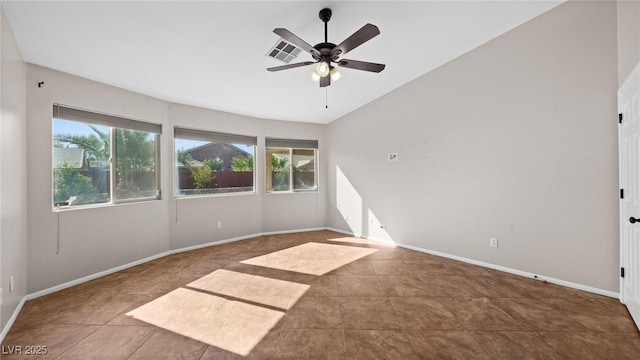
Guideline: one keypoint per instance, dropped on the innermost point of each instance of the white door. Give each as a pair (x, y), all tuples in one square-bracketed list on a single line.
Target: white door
[(629, 148)]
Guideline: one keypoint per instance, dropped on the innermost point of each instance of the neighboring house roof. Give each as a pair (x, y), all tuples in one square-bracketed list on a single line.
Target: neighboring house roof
[(226, 153), (73, 157), (193, 163), (97, 164)]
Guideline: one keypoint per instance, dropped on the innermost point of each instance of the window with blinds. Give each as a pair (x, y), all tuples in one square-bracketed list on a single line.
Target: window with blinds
[(209, 163), (292, 165), (103, 159)]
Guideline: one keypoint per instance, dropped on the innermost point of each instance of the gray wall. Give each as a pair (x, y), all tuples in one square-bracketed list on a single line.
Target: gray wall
[(101, 238), (516, 139), (91, 239), (246, 214), (513, 139), (628, 37), (13, 172)]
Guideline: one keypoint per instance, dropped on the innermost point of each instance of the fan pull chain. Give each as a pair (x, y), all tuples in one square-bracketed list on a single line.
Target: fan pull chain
[(326, 98)]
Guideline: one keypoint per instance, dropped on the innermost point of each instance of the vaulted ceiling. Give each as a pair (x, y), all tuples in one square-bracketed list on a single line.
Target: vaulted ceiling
[(212, 54)]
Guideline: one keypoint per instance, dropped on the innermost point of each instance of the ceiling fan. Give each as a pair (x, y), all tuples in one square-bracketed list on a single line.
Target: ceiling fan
[(325, 54)]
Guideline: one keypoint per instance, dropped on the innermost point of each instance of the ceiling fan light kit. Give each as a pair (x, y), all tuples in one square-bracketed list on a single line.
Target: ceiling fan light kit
[(322, 69), (335, 74), (326, 54)]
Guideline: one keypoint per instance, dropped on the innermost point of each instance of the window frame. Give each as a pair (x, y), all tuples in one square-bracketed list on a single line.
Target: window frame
[(74, 114), (187, 133), (280, 144)]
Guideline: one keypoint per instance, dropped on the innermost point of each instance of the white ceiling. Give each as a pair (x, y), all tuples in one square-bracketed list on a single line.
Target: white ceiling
[(212, 54)]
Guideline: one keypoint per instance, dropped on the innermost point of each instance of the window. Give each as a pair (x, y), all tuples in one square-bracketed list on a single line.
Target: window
[(291, 165), (99, 159), (213, 163)]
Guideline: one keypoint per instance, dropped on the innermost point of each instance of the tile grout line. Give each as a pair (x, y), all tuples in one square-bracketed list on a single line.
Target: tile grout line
[(155, 331), (344, 336), (280, 331), (77, 342), (492, 300), (206, 348)]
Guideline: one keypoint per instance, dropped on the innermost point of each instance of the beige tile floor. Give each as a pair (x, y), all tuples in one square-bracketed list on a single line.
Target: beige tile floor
[(319, 295)]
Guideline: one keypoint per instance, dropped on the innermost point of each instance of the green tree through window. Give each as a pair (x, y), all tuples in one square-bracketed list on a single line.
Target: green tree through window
[(84, 158)]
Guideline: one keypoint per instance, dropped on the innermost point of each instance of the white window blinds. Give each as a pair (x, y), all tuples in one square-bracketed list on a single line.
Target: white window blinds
[(72, 114), (291, 143)]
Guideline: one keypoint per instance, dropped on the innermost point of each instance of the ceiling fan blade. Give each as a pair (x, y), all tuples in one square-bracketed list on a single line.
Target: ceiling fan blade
[(325, 81), (361, 65), (358, 38), (295, 40), (291, 66)]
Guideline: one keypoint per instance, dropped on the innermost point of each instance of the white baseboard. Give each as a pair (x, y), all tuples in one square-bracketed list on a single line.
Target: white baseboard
[(517, 272), (292, 231), (12, 320), (84, 279), (372, 238), (244, 237), (212, 243), (497, 267), (100, 274), (344, 232), (69, 284)]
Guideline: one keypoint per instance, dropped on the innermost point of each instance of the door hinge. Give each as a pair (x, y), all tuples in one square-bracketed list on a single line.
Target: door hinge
[(621, 193), (620, 118), (621, 272)]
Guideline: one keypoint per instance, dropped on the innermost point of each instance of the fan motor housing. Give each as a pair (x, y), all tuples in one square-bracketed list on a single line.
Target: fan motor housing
[(324, 50)]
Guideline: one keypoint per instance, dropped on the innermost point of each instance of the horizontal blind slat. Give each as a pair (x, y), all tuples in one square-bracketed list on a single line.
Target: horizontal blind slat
[(72, 114), (291, 143), (216, 137)]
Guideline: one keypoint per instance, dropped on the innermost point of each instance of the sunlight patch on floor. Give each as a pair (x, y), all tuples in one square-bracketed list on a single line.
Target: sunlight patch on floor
[(234, 311), (254, 288), (230, 325), (311, 258)]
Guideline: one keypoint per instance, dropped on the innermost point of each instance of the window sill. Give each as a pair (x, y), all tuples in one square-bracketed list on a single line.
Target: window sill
[(105, 205), (315, 191), (204, 196)]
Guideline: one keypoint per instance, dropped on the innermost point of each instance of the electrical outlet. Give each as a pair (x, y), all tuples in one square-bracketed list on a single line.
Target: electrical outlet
[(493, 242), (392, 156), (219, 225), (11, 283)]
